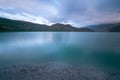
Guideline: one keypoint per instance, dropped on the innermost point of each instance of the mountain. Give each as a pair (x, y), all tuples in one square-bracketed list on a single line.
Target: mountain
[(115, 29), (112, 27), (67, 27), (15, 25)]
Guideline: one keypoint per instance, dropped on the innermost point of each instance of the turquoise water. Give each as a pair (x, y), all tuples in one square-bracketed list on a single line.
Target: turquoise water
[(100, 49)]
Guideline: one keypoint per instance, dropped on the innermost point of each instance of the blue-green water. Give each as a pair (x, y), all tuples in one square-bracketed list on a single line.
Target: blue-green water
[(100, 49)]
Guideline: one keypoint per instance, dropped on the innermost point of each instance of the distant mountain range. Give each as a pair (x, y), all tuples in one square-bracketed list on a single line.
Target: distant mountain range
[(15, 25), (112, 27)]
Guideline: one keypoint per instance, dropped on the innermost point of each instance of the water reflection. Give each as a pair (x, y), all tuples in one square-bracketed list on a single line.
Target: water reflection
[(95, 40), (61, 46)]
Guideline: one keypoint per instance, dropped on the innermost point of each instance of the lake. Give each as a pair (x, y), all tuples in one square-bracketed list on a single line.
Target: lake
[(59, 55), (99, 49)]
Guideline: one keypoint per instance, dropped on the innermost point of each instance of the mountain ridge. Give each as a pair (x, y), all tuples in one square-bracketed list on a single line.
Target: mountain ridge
[(107, 27), (7, 25), (16, 25)]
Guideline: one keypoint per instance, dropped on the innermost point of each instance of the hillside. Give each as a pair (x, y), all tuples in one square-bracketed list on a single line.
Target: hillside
[(15, 25), (112, 27), (115, 29)]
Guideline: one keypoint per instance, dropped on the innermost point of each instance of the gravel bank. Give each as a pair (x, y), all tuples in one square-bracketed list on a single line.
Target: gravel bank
[(55, 71)]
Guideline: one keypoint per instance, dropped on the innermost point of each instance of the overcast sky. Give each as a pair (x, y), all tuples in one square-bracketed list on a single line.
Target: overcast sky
[(75, 12)]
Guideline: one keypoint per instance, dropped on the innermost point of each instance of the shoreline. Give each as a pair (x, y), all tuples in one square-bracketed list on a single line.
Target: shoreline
[(55, 71)]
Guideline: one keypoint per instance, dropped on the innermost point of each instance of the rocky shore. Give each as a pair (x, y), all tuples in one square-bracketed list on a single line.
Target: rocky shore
[(55, 71)]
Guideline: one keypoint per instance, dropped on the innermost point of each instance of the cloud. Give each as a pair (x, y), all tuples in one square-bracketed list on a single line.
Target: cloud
[(25, 17), (86, 12), (35, 7), (78, 12)]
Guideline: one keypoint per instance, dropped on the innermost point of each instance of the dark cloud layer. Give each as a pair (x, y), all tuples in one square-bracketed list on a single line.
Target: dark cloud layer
[(76, 12)]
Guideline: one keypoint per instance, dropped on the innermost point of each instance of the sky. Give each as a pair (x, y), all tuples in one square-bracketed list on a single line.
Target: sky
[(75, 12)]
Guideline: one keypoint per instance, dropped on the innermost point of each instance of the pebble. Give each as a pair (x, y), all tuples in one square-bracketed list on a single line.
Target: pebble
[(55, 71)]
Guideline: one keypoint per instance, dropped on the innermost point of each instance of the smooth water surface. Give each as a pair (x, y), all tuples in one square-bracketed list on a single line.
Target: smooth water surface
[(72, 47)]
